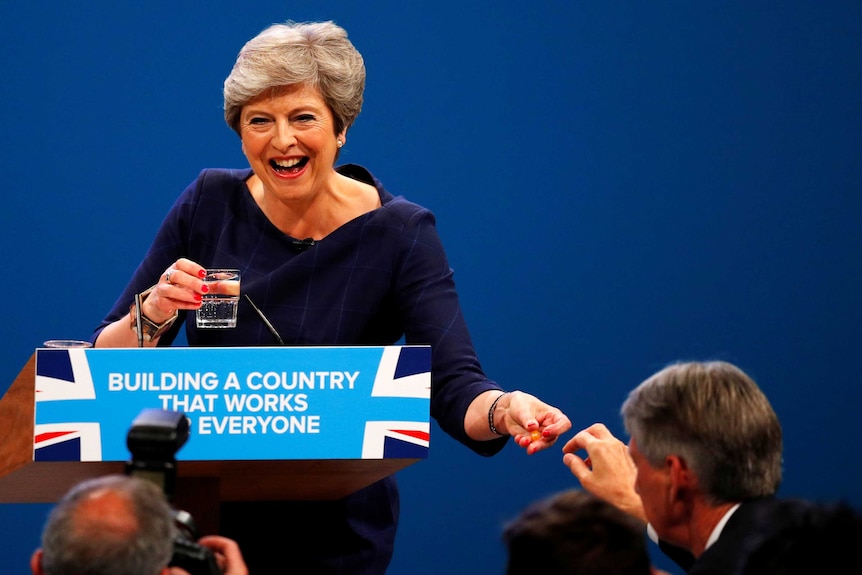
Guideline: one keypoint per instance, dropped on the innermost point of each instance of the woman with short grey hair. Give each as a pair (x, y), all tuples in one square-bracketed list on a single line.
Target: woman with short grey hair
[(329, 257), (317, 54)]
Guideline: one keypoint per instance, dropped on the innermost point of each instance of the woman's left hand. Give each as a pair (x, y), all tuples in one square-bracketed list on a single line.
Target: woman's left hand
[(533, 424)]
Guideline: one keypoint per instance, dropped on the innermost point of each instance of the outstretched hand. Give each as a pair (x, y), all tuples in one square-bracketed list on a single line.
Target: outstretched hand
[(608, 470), (532, 423)]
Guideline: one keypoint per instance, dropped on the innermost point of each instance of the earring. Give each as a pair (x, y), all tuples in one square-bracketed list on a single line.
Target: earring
[(339, 143)]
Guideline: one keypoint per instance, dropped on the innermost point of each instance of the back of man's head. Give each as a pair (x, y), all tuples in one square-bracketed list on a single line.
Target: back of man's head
[(716, 418), (575, 533), (108, 525)]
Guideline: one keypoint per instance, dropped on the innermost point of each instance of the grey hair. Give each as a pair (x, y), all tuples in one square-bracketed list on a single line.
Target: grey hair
[(75, 540), (716, 418), (315, 53)]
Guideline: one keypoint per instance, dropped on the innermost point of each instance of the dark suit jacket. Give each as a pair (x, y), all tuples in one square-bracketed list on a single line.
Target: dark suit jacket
[(725, 556)]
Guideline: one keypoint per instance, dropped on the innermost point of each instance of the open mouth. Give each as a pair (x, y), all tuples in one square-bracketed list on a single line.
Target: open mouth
[(290, 165)]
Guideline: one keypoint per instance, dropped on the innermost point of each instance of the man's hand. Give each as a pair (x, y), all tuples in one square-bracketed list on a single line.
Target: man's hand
[(227, 554), (608, 470)]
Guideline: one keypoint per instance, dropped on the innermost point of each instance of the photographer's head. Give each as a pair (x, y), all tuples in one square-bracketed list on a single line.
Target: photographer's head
[(108, 525)]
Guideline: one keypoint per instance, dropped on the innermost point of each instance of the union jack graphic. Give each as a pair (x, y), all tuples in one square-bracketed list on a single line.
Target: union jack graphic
[(68, 442), (403, 372), (64, 374)]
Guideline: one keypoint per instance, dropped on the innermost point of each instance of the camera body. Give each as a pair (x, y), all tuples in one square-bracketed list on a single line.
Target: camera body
[(191, 556), (153, 440)]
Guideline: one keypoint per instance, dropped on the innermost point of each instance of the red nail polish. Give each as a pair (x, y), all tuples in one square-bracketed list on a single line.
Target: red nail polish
[(205, 288), (198, 297), (202, 274)]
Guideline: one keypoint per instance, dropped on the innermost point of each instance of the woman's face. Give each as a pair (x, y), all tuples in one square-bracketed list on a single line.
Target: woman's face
[(288, 136)]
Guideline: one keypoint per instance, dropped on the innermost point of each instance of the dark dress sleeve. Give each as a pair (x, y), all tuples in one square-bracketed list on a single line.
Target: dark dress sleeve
[(429, 303)]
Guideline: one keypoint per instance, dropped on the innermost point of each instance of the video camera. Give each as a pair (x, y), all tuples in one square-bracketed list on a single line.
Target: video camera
[(153, 440)]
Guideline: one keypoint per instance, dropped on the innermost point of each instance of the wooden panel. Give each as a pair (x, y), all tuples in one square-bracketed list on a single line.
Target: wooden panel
[(318, 479), (17, 420)]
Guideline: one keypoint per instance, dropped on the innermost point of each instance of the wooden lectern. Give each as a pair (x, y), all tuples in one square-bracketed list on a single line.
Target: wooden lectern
[(200, 485)]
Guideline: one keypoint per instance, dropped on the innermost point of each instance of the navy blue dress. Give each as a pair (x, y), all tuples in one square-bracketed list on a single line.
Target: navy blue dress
[(380, 277)]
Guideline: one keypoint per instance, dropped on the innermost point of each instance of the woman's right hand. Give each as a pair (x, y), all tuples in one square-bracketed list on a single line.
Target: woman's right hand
[(180, 287)]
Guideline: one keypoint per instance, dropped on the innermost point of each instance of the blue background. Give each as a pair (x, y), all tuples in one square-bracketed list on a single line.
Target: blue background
[(618, 184)]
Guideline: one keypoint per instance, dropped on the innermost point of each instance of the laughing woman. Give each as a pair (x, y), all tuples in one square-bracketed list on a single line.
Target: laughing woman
[(331, 258)]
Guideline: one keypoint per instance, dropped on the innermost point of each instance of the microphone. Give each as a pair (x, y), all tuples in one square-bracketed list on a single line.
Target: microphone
[(266, 322), (302, 245)]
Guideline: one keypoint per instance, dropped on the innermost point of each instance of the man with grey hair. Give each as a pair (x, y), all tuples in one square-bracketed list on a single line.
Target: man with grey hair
[(118, 524), (702, 466)]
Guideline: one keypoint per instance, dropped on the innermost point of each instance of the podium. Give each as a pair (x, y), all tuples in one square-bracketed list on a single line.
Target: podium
[(268, 423)]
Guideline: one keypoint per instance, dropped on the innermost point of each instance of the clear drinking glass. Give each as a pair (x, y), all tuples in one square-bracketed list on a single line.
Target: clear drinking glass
[(220, 303), (67, 343)]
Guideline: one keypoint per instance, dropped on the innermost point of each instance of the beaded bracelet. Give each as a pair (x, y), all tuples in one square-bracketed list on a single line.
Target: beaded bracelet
[(491, 414)]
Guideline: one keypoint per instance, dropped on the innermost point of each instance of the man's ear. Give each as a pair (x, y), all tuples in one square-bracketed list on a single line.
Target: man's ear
[(36, 562), (682, 480)]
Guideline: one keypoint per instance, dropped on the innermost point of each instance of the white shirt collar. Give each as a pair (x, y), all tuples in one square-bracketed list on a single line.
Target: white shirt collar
[(716, 532), (713, 537)]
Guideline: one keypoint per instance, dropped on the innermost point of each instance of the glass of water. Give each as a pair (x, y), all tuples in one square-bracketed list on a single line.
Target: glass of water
[(67, 343), (219, 306)]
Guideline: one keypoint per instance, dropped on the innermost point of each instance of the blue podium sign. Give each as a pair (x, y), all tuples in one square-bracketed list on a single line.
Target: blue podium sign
[(243, 403)]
